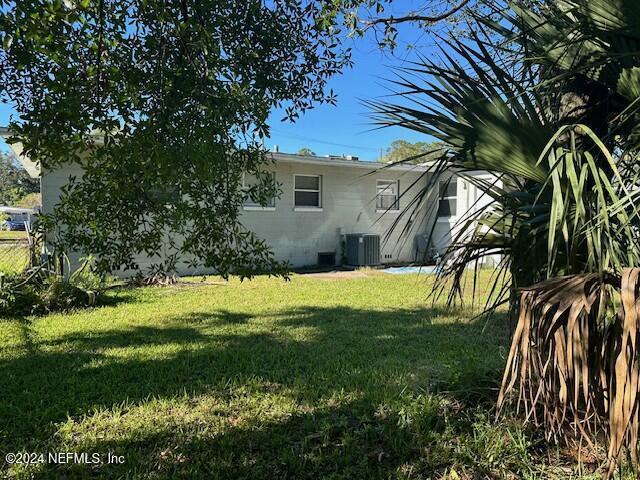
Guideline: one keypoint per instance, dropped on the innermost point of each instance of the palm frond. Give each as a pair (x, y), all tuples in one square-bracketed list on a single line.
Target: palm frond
[(573, 364), (546, 99)]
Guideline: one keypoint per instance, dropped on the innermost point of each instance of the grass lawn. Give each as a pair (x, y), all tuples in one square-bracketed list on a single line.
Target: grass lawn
[(12, 235), (315, 378)]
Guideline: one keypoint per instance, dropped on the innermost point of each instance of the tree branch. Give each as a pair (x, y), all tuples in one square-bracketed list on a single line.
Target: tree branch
[(418, 18)]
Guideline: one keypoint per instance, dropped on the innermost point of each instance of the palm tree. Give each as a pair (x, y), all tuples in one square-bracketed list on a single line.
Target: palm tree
[(552, 111)]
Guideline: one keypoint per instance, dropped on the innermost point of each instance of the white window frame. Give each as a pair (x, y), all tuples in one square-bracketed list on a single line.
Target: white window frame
[(454, 216), (319, 192), (258, 208), (397, 195)]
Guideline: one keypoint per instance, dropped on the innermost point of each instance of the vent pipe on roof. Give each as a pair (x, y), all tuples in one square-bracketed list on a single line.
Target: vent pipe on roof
[(344, 157)]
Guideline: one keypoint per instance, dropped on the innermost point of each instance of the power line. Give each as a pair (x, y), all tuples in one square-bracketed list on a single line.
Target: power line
[(324, 142)]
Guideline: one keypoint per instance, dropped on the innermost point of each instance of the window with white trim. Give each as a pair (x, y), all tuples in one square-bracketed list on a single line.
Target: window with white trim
[(448, 200), (387, 195), (251, 181), (307, 191)]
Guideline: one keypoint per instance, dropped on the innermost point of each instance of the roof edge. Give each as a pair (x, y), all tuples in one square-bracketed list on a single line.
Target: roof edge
[(333, 161), (32, 168)]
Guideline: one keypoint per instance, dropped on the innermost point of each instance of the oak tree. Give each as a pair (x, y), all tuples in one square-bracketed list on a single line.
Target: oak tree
[(164, 104)]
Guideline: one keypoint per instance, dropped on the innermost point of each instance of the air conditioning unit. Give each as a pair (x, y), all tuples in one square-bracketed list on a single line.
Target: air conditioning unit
[(363, 249)]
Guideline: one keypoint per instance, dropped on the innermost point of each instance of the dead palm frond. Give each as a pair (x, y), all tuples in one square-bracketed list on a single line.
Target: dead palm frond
[(573, 364)]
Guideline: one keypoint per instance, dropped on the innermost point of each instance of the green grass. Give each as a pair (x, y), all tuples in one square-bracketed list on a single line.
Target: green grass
[(12, 235), (14, 258), (359, 378)]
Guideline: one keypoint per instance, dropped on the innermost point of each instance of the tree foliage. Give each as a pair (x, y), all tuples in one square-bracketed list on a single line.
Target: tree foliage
[(306, 151), (165, 105), (30, 200), (15, 182), (407, 152), (381, 18)]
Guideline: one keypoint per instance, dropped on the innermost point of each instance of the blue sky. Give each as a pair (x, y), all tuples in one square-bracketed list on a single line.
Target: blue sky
[(344, 128)]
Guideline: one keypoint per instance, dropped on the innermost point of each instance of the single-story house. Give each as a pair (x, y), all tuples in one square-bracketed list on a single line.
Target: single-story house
[(21, 215), (328, 203)]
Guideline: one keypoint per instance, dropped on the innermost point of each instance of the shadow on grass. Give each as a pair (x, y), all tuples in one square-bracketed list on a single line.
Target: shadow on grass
[(218, 317), (307, 354), (346, 442), (119, 296)]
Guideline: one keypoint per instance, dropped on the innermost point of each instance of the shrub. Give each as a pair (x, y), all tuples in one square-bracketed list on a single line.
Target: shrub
[(17, 299), (41, 290)]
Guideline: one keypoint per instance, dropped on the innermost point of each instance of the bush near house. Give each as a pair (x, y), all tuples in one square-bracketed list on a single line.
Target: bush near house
[(40, 289)]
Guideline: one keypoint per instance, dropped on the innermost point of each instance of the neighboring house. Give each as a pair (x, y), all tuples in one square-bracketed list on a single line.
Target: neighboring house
[(325, 199), (20, 215)]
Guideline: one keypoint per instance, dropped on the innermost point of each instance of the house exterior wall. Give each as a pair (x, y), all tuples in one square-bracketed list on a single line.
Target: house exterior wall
[(468, 198), (297, 235), (348, 206), (51, 183)]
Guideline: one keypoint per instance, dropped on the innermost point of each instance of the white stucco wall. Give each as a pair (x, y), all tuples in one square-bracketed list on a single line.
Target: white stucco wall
[(348, 206), (469, 198)]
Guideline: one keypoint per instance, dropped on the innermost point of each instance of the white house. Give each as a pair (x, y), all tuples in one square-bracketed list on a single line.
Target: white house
[(16, 214), (325, 201)]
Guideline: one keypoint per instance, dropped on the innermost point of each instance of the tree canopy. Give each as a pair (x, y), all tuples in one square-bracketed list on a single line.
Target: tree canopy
[(381, 18), (418, 152), (30, 200), (306, 151), (15, 182), (165, 106)]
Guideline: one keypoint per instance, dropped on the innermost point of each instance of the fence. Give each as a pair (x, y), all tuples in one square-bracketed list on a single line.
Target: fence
[(17, 252)]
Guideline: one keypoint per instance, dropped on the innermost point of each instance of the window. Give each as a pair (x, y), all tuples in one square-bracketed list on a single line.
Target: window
[(387, 195), (447, 206), (251, 181), (307, 191)]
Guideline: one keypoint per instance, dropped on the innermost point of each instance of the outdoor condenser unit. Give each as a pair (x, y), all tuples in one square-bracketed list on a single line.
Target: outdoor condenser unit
[(363, 249)]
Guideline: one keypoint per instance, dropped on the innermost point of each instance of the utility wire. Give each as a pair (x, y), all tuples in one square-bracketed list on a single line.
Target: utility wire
[(280, 133)]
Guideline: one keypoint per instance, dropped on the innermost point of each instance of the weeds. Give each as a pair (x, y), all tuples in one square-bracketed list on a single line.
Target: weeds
[(41, 290)]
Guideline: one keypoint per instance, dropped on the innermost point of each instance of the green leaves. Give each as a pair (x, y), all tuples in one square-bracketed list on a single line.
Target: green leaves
[(586, 188), (547, 101), (160, 96), (15, 183), (503, 142), (629, 83), (537, 98)]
